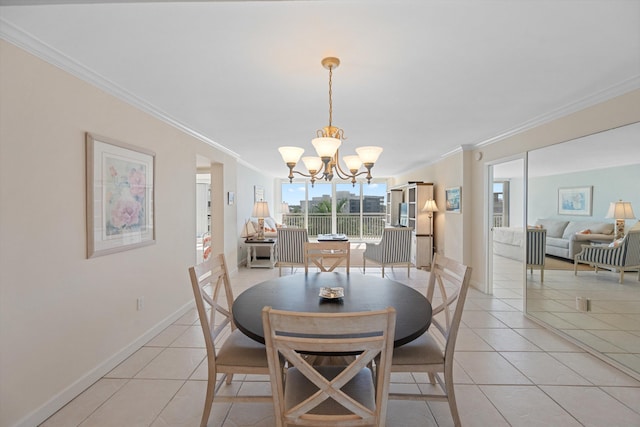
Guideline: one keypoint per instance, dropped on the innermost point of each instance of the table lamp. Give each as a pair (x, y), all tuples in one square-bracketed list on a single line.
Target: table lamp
[(260, 211), (621, 211)]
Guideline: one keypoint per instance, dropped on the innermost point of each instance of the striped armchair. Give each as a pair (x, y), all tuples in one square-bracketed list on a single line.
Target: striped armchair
[(290, 247), (536, 245), (393, 249), (623, 257)]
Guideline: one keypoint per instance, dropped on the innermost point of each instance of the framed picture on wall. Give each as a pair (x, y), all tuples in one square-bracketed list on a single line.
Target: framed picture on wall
[(453, 199), (231, 197), (258, 193), (575, 200), (120, 196)]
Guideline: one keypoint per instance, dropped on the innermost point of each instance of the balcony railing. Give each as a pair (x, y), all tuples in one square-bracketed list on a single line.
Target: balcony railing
[(367, 227)]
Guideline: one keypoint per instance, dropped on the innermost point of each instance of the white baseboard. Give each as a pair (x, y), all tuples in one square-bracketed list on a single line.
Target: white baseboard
[(81, 384)]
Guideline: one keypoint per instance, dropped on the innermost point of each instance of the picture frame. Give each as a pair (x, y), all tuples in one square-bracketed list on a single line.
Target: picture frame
[(575, 200), (453, 200), (258, 193), (120, 186), (231, 198)]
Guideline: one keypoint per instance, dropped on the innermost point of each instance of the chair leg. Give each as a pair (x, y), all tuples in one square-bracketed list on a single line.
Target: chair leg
[(208, 400), (451, 396), (621, 275), (409, 270), (383, 271), (432, 378)]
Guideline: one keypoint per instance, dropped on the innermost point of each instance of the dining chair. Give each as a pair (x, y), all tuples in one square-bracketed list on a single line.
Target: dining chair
[(329, 395), (393, 249), (237, 353), (432, 352), (290, 247), (335, 253)]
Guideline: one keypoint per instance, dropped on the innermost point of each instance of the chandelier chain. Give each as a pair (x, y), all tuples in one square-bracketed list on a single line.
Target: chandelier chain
[(330, 96)]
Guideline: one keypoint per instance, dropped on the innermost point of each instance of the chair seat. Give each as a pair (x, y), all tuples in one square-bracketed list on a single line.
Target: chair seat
[(298, 388), (421, 351), (238, 349)]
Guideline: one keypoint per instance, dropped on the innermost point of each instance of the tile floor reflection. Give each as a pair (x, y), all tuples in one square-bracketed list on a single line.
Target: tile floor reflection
[(509, 372)]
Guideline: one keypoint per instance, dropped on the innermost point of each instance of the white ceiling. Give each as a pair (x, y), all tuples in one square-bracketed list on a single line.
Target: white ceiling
[(420, 78)]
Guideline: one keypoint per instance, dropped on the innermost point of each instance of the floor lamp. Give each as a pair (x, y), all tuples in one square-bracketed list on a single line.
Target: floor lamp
[(430, 207)]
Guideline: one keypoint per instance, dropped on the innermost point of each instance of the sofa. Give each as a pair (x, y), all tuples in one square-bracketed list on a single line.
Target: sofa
[(563, 239)]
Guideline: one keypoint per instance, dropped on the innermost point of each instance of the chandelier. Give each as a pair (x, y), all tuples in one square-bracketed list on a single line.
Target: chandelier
[(328, 139)]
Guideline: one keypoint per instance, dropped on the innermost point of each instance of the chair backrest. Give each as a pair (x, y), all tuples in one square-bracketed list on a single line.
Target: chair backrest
[(290, 245), (396, 244), (326, 255), (452, 280), (210, 280), (536, 246), (632, 242), (289, 335)]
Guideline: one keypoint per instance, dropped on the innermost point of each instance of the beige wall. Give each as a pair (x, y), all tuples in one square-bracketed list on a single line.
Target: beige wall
[(462, 237), (66, 320)]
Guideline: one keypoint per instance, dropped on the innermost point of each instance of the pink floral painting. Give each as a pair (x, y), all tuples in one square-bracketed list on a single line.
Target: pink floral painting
[(125, 192), (120, 189)]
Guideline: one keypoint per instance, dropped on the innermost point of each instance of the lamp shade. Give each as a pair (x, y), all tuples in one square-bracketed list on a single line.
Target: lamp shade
[(313, 164), (291, 154), (260, 210), (430, 206), (369, 154), (620, 210), (326, 147), (352, 162)]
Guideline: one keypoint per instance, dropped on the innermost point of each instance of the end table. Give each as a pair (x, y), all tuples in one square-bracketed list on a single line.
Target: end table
[(252, 259)]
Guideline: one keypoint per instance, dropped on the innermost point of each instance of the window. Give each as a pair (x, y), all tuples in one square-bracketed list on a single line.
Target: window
[(328, 207)]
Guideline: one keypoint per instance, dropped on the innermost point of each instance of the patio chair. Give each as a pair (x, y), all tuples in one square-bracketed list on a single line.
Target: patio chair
[(329, 395), (393, 249), (426, 354), (290, 247), (238, 354), (619, 256)]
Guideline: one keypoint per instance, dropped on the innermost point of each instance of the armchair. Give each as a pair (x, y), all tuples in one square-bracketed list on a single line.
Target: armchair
[(621, 257), (290, 247), (393, 249)]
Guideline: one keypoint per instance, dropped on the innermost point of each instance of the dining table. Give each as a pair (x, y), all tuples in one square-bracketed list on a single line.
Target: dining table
[(301, 292)]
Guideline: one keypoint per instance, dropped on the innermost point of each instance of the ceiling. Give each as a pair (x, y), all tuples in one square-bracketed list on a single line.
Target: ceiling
[(420, 78)]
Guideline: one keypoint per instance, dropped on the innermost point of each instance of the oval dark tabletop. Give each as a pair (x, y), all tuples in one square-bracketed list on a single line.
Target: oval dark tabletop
[(300, 292)]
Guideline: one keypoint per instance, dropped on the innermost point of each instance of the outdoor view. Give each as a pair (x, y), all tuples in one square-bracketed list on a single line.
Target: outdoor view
[(359, 211)]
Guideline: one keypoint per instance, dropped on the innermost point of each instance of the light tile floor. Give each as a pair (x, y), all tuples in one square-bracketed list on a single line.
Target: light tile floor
[(509, 371)]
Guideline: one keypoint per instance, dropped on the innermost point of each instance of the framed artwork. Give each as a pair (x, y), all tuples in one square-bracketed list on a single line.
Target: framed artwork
[(258, 193), (575, 200), (120, 196), (231, 197), (453, 199)]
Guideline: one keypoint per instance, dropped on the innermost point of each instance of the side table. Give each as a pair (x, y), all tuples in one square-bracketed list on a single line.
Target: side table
[(252, 259)]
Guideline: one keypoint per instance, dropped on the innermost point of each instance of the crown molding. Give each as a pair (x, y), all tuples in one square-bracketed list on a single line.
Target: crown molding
[(611, 92), (31, 44)]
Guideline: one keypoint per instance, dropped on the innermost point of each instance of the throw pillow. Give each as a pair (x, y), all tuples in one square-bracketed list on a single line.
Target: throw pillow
[(616, 243)]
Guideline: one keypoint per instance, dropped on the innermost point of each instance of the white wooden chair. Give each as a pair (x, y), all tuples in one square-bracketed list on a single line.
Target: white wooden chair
[(329, 395), (393, 249), (333, 253), (238, 354), (624, 256), (290, 247), (432, 353)]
